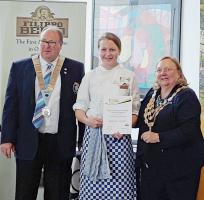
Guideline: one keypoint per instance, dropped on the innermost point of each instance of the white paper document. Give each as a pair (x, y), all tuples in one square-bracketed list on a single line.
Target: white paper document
[(117, 115)]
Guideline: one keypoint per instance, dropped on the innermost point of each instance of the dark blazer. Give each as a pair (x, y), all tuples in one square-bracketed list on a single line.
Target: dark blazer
[(181, 141), (19, 106)]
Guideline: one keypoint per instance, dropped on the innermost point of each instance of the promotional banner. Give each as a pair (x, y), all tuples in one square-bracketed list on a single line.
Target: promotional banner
[(21, 24)]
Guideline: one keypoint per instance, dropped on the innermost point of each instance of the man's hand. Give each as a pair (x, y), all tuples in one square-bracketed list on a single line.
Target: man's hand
[(7, 149)]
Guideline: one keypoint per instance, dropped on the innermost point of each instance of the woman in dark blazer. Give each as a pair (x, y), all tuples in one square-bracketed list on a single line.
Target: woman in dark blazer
[(169, 141)]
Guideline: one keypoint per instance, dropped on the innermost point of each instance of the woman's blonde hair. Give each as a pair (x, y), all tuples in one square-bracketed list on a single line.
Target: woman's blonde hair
[(182, 80), (112, 37)]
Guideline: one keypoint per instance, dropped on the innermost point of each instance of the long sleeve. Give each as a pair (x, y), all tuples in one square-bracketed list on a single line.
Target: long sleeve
[(187, 118), (10, 110), (83, 97)]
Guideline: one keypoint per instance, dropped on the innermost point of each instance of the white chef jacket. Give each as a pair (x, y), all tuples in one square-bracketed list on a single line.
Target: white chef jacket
[(101, 82)]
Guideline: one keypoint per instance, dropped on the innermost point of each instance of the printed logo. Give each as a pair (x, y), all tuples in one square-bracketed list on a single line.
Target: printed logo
[(40, 18)]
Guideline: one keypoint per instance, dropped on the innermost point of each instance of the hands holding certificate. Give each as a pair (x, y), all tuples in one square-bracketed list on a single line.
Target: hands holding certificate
[(96, 122), (115, 116)]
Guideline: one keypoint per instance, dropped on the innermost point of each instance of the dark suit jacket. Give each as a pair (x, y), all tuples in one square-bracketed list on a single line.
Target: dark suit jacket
[(181, 142), (19, 106)]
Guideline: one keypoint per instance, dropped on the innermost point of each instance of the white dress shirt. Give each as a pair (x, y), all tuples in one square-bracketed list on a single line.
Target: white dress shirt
[(50, 124)]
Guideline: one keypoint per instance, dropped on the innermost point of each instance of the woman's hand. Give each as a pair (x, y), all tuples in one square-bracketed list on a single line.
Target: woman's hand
[(150, 137), (117, 135), (94, 122)]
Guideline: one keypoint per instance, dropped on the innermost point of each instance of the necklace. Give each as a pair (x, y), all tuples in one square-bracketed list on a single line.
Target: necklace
[(151, 111), (160, 101)]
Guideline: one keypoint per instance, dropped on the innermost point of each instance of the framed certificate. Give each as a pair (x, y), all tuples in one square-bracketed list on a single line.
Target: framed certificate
[(117, 115)]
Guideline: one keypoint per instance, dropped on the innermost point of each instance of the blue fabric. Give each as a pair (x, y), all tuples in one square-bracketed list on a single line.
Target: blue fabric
[(178, 125), (38, 117), (17, 117), (122, 184), (96, 161)]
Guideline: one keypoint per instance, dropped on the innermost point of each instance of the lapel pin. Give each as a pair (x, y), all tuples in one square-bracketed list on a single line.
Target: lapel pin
[(65, 70), (75, 87)]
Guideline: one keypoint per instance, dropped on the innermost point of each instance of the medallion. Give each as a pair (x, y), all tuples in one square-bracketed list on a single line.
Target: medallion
[(151, 111), (46, 112)]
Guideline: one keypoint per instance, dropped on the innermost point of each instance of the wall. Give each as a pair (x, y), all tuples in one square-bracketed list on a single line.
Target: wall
[(75, 48), (190, 42), (10, 47)]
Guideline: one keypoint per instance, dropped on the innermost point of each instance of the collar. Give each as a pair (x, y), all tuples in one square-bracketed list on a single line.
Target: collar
[(44, 63), (105, 69)]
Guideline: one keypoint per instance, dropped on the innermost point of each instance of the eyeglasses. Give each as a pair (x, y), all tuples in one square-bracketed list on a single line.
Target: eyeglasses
[(49, 43), (165, 69)]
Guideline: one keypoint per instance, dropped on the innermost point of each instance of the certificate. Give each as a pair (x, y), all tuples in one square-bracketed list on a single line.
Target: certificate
[(117, 115)]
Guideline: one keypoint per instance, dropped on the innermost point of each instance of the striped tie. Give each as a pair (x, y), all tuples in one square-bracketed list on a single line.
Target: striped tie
[(38, 117)]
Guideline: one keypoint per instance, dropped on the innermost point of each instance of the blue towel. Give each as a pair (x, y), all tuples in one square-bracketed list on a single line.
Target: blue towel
[(96, 160)]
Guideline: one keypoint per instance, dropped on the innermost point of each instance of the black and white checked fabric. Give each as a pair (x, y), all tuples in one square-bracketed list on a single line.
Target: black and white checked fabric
[(122, 185)]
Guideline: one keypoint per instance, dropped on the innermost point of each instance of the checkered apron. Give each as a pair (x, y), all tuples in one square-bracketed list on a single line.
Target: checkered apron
[(122, 185)]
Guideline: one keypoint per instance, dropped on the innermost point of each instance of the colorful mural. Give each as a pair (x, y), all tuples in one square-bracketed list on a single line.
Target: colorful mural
[(145, 32)]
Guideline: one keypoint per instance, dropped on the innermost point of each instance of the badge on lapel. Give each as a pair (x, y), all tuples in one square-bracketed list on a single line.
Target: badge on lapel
[(75, 87), (65, 71), (124, 82), (124, 86)]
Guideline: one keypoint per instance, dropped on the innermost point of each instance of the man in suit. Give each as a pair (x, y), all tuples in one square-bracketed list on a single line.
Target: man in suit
[(42, 137)]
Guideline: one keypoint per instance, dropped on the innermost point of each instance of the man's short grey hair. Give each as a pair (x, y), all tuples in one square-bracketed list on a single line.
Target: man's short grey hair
[(54, 29)]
